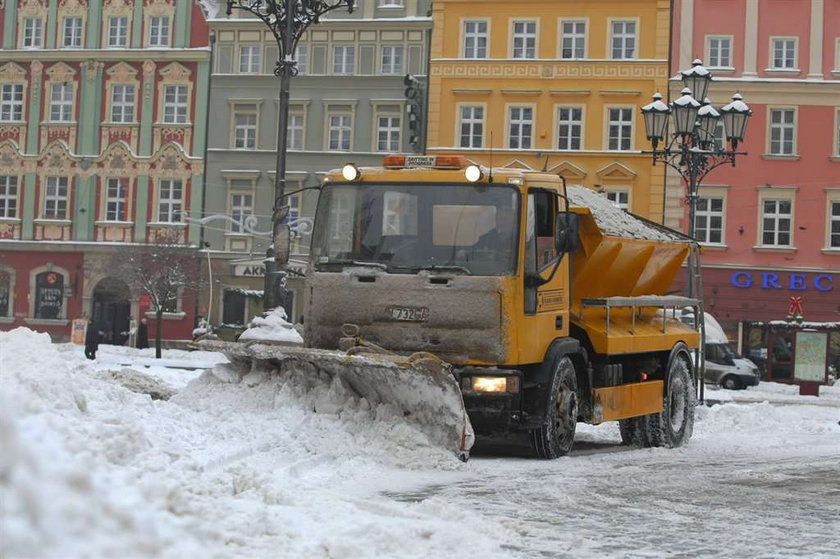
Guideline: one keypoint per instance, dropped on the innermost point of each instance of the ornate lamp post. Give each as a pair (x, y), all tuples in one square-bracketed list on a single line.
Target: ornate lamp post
[(287, 20), (691, 148)]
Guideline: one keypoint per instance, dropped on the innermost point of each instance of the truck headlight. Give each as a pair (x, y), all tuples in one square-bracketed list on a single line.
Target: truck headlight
[(489, 384)]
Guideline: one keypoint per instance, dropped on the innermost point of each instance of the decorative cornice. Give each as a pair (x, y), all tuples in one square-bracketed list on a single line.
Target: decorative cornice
[(609, 70)]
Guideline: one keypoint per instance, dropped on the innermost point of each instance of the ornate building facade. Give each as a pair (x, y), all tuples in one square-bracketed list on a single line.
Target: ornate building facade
[(553, 85), (102, 138)]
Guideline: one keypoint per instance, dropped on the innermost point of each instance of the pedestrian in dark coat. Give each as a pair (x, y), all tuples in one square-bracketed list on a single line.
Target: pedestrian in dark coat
[(92, 338), (142, 334)]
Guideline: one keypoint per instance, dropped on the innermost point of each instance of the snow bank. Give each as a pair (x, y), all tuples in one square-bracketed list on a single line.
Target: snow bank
[(273, 326), (612, 220)]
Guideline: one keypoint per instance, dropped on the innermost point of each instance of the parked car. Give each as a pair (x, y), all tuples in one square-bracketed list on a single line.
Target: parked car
[(723, 364)]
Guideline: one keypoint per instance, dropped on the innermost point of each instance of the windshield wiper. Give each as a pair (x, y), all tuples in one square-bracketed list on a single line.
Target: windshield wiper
[(446, 267), (346, 262)]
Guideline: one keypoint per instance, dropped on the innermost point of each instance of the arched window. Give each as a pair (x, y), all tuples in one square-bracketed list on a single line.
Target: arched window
[(49, 295)]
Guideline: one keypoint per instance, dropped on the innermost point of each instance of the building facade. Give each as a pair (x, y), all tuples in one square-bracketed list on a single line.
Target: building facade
[(347, 105), (771, 225), (102, 135), (552, 85)]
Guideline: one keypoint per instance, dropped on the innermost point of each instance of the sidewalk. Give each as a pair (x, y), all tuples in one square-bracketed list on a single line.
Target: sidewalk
[(774, 393)]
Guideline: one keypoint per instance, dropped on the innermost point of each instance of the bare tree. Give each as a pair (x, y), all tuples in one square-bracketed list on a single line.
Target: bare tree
[(163, 270)]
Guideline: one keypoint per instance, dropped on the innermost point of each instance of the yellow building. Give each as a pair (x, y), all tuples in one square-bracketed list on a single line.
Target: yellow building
[(553, 85)]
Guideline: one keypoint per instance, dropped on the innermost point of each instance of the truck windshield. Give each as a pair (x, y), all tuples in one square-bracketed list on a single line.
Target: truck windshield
[(408, 227)]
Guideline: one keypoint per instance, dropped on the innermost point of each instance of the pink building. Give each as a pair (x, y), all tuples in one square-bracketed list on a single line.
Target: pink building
[(770, 225)]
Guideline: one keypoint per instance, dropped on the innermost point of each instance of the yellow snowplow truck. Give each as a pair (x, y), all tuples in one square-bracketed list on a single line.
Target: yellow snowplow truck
[(497, 300)]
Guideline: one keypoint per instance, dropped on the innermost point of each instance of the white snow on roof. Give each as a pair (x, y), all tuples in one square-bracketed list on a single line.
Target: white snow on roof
[(612, 220)]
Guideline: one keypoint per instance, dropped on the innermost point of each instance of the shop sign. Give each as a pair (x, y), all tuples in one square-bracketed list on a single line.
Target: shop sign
[(789, 282), (249, 270)]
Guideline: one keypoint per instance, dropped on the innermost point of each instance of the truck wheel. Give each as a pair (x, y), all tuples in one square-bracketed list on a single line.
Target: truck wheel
[(632, 431), (673, 426), (555, 437)]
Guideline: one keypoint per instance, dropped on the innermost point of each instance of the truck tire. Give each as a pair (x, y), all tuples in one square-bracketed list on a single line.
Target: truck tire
[(674, 425), (557, 434), (632, 431)]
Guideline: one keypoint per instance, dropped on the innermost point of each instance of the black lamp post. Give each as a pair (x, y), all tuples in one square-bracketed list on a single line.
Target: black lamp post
[(287, 19), (691, 148)]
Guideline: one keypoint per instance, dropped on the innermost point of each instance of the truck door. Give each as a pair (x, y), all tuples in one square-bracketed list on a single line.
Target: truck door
[(541, 256)]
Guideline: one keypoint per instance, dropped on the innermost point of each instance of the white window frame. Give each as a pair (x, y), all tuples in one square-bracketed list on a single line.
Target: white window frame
[(302, 58), (159, 29), (777, 218), (339, 121), (574, 37), (529, 49), (61, 104), (240, 210), (344, 59), (571, 123), (122, 110), (169, 207), (475, 50), (9, 190), (522, 123), (624, 37), (472, 121), (621, 124), (787, 57), (116, 204), (391, 59), (832, 238), (72, 32), (250, 58), (297, 131), (392, 129), (615, 195), (33, 33), (783, 127), (245, 124), (714, 49), (117, 32), (705, 211), (390, 4), (11, 102), (54, 199), (175, 109)]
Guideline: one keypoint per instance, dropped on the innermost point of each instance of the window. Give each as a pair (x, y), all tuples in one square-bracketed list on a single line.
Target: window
[(235, 307), (249, 59), (392, 59), (390, 3), (296, 129), (169, 201), (61, 102), (344, 59), (49, 295), (116, 200), (782, 131), (472, 126), (122, 104), (302, 59), (55, 198), (524, 39), (11, 102), (784, 54), (708, 220), (159, 31), (719, 136), (776, 221), (475, 39), (175, 104), (623, 40), (387, 133), (118, 31), (833, 224), (569, 127), (241, 206), (620, 134), (8, 198), (245, 130), (72, 32), (340, 131), (5, 292), (619, 198), (520, 127), (720, 52), (540, 251), (31, 32), (573, 43)]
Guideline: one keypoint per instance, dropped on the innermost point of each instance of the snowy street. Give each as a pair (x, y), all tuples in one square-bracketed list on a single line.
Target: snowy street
[(215, 466)]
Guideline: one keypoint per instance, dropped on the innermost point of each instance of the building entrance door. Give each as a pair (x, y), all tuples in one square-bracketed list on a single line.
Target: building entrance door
[(782, 347), (112, 310)]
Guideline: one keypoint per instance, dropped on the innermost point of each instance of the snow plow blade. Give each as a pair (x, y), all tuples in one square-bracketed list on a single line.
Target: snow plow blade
[(420, 387)]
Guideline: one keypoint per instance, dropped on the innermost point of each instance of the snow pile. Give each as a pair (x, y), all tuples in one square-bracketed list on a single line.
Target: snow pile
[(272, 326), (612, 220)]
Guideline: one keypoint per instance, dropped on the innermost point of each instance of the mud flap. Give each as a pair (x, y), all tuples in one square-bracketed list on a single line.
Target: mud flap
[(420, 387)]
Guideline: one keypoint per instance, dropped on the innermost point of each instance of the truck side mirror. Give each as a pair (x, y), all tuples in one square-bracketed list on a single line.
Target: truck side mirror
[(566, 237)]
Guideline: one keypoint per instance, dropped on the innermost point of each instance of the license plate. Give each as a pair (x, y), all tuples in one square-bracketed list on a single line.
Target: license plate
[(410, 314)]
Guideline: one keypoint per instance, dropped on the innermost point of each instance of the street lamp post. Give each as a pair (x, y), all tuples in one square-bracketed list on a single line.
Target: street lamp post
[(287, 20), (691, 148)]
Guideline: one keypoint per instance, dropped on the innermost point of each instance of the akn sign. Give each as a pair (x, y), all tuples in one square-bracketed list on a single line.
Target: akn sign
[(790, 282)]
